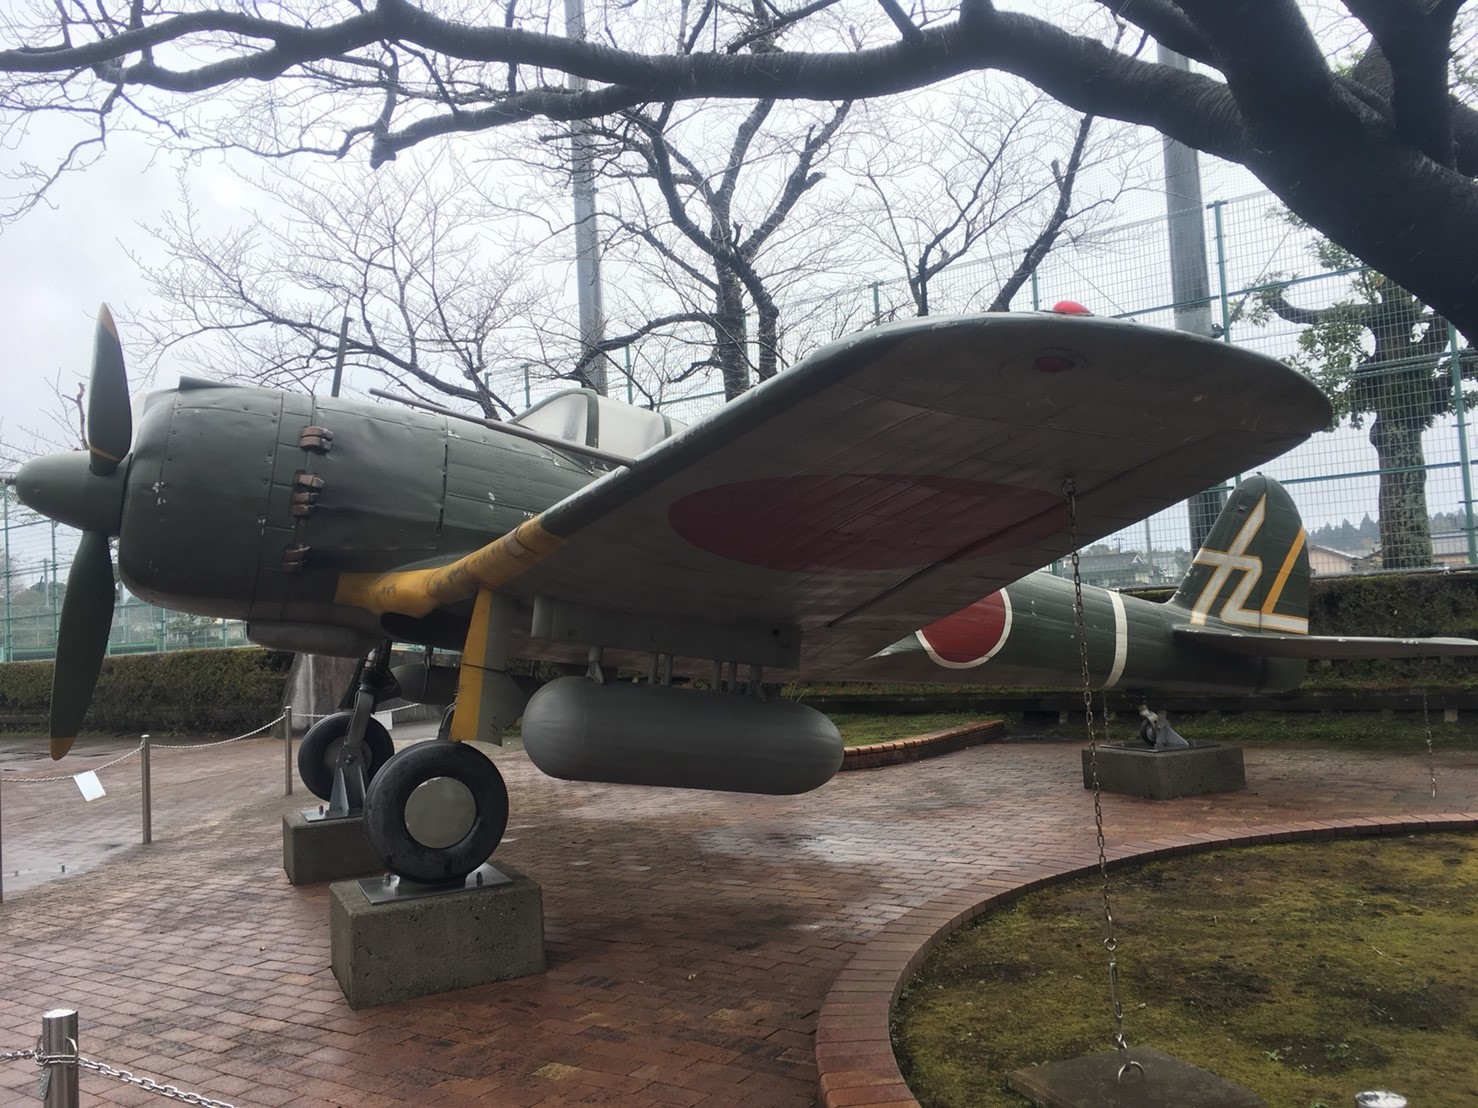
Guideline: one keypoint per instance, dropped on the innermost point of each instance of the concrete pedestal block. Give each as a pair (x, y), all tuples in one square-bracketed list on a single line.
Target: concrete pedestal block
[(413, 947), (1203, 767), (1163, 1082), (326, 849)]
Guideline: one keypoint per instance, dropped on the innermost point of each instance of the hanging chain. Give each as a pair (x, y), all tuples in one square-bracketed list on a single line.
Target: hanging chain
[(1111, 941), (1431, 754)]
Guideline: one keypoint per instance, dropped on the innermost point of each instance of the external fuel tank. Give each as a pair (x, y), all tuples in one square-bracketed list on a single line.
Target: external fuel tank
[(626, 734)]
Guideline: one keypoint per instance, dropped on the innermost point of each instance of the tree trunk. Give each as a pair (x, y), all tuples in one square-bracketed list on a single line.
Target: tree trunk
[(1405, 528), (731, 335)]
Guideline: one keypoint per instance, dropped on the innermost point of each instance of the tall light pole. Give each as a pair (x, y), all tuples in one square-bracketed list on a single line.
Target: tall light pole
[(587, 240), (1190, 289)]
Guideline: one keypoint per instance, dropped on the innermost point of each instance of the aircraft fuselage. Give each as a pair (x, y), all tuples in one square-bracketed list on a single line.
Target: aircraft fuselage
[(248, 504)]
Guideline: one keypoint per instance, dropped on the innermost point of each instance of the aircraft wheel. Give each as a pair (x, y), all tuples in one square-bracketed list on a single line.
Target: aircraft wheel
[(319, 752), (436, 811)]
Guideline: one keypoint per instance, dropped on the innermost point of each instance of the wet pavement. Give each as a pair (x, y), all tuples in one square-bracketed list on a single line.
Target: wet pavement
[(692, 937)]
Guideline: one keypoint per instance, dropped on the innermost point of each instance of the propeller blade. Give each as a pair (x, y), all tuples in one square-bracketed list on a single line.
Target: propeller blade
[(109, 420), (87, 617)]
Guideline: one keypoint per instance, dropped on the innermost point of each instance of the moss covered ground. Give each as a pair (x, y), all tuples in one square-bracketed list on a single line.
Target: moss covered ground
[(1306, 972)]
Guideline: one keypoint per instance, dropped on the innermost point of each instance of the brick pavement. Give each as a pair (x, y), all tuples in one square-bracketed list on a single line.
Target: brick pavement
[(693, 937)]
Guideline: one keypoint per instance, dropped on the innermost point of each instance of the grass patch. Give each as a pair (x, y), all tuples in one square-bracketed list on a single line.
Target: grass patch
[(1305, 972), (862, 728)]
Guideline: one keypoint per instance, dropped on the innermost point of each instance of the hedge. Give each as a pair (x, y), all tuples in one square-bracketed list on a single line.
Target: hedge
[(180, 692)]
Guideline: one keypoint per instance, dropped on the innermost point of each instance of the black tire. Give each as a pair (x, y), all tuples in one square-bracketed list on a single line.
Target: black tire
[(385, 811), (319, 751), (1147, 734)]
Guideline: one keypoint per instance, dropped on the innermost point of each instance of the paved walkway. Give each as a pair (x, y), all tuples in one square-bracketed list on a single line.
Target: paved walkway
[(692, 936)]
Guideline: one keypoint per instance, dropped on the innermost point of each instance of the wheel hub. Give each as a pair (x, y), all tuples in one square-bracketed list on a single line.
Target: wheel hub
[(440, 812)]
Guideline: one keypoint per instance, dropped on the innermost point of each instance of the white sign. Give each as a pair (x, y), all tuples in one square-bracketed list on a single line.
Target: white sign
[(91, 787)]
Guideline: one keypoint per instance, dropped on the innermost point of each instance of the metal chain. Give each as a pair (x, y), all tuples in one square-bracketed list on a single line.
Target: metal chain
[(70, 776), (1111, 941), (124, 757), (1431, 754), (168, 1091), (233, 739), (44, 1060)]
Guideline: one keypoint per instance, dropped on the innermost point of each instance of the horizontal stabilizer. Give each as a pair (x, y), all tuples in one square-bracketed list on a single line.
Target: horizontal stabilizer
[(1330, 647)]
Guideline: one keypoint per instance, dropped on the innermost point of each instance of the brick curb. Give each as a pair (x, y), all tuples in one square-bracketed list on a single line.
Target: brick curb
[(854, 1051), (930, 745)]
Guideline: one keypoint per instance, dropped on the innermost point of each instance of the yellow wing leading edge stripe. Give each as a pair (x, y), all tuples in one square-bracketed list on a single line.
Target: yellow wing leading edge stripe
[(418, 592)]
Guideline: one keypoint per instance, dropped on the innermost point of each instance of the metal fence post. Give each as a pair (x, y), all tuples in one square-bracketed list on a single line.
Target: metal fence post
[(2, 842), (1458, 407), (148, 807), (59, 1041), (287, 748)]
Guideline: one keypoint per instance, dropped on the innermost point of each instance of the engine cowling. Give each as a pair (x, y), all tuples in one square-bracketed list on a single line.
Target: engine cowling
[(626, 734)]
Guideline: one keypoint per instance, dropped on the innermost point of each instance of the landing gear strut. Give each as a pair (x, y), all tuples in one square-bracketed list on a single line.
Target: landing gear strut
[(1156, 732), (341, 753)]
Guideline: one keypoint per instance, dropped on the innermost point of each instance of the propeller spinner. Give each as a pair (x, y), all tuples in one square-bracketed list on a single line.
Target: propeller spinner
[(86, 493)]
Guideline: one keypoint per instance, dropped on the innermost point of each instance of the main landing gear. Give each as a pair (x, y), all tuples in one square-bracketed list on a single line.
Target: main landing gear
[(433, 811)]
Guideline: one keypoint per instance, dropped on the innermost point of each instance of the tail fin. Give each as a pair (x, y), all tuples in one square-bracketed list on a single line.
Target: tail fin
[(1253, 571)]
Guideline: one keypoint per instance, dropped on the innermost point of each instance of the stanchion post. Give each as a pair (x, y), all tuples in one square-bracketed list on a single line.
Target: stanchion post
[(2, 843), (148, 807), (59, 1041), (287, 748)]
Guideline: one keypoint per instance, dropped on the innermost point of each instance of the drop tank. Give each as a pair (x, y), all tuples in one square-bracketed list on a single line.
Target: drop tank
[(625, 734)]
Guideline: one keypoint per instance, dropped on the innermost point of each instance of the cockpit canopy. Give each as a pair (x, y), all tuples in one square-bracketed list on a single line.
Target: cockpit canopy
[(585, 417)]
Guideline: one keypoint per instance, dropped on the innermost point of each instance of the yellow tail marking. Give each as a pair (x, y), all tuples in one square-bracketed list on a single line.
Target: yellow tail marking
[(418, 592), (1275, 593)]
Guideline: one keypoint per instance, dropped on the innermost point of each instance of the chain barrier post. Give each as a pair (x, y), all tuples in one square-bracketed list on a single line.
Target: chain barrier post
[(59, 1058), (148, 806), (287, 748)]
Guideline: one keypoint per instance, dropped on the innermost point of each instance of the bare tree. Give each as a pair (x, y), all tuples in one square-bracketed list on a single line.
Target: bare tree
[(700, 224), (985, 174), (1379, 158), (434, 303)]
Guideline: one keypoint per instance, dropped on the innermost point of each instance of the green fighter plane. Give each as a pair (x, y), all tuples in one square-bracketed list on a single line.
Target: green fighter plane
[(841, 520)]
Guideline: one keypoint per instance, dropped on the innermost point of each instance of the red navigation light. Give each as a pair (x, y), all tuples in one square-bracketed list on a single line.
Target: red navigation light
[(1053, 363), (1070, 307)]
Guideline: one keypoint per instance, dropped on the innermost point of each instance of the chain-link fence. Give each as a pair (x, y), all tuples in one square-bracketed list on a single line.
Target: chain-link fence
[(35, 556)]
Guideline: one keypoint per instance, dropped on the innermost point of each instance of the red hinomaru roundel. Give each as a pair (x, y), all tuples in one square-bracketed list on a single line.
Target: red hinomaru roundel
[(972, 635)]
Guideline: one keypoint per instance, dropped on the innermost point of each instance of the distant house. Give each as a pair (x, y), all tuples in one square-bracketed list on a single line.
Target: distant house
[(1450, 548), (1118, 569), (1326, 561)]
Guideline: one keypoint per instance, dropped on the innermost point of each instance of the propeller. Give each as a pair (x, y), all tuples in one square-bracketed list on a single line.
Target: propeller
[(109, 420), (87, 493)]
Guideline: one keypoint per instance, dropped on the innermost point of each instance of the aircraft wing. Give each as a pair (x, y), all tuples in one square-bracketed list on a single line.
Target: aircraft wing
[(1326, 647), (889, 479)]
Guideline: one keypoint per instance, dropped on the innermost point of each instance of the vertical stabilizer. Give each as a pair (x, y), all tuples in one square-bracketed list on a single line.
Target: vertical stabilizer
[(1253, 571)]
